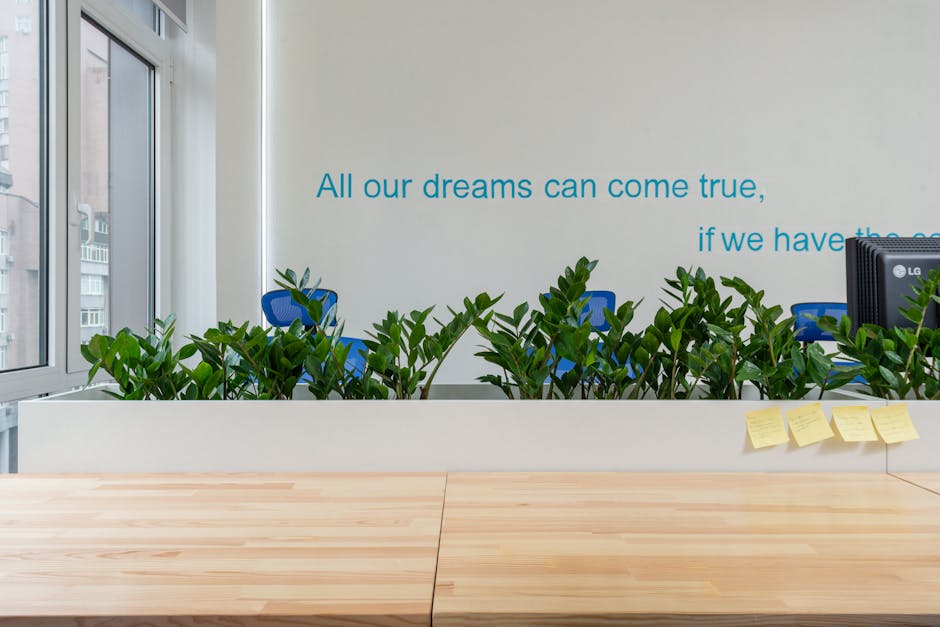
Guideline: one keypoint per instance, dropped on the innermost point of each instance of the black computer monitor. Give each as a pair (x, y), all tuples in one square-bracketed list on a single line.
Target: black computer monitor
[(881, 271)]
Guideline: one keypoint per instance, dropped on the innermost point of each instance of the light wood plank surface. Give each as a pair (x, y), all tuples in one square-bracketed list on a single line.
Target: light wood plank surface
[(237, 550), (735, 549), (927, 480)]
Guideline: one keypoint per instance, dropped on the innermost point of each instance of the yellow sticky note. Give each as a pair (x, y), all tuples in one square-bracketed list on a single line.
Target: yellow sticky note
[(765, 427), (854, 423), (894, 424), (808, 424)]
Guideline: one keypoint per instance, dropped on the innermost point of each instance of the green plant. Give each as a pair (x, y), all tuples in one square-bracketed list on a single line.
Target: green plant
[(775, 360), (328, 362), (620, 364), (698, 333), (331, 371), (406, 357), (145, 367), (528, 344), (898, 362), (271, 365), (220, 375)]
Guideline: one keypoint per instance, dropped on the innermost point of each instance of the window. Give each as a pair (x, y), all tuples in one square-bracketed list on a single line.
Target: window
[(92, 285), (22, 180), (92, 317), (3, 357), (115, 181), (95, 253)]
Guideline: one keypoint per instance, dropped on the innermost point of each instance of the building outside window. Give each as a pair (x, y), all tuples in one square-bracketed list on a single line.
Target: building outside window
[(101, 226), (4, 281), (4, 242), (3, 320), (3, 357)]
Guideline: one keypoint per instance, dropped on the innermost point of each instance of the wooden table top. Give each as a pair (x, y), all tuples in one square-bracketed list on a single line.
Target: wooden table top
[(927, 480), (603, 549), (327, 549)]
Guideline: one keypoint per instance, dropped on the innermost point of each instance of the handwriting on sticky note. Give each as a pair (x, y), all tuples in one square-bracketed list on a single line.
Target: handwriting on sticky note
[(894, 423), (765, 427), (854, 423), (808, 424)]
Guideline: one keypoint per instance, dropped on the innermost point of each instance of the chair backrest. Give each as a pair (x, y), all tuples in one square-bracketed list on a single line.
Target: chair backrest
[(356, 360), (598, 300), (806, 329), (281, 310)]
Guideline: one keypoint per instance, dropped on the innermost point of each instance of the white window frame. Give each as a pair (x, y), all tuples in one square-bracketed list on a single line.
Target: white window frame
[(156, 51), (64, 19)]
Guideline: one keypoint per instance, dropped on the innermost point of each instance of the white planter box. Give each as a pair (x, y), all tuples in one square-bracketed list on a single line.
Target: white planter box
[(88, 432)]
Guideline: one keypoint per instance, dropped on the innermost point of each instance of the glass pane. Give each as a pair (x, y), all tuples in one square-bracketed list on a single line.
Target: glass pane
[(116, 197), (22, 262)]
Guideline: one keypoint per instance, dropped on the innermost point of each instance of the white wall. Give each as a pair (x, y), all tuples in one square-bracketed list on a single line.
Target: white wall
[(830, 106)]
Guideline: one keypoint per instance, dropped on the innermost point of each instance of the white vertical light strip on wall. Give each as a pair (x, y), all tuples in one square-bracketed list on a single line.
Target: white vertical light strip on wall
[(264, 147)]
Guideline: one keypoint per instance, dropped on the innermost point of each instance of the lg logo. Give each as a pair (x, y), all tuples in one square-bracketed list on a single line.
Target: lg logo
[(901, 271)]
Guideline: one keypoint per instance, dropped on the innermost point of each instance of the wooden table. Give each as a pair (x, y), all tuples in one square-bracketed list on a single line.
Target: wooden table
[(741, 549), (516, 549), (225, 549), (927, 480)]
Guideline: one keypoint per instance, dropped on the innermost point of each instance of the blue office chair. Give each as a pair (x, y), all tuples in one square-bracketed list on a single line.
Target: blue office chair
[(806, 328), (808, 331), (356, 360), (281, 310), (598, 301)]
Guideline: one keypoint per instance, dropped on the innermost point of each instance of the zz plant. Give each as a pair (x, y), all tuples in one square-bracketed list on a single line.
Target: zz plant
[(406, 355), (329, 362), (145, 367), (528, 344), (896, 363), (708, 339)]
